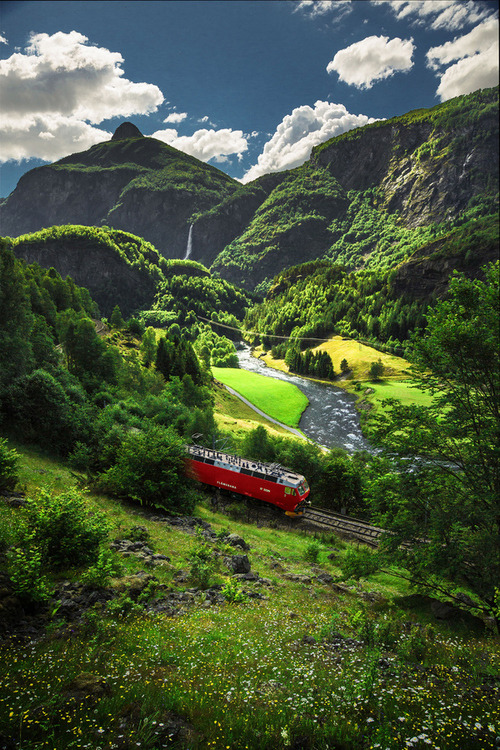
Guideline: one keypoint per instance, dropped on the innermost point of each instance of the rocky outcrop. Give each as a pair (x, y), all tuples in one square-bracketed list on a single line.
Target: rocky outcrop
[(426, 174), (110, 280), (131, 182)]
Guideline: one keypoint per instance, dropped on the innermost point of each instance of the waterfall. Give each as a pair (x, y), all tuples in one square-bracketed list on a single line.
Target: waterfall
[(189, 246)]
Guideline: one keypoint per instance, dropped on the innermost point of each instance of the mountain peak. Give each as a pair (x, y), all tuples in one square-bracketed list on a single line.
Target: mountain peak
[(126, 130)]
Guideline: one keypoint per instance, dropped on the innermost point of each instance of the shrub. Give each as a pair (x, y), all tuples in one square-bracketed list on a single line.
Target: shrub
[(203, 567), (8, 466), (106, 567), (232, 592), (150, 468), (312, 551), (25, 569), (64, 528), (359, 563)]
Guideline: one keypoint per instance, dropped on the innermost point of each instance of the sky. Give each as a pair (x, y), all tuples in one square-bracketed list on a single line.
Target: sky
[(249, 86)]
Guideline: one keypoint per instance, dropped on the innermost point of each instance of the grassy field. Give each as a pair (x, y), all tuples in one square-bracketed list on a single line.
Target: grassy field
[(359, 358), (400, 390), (235, 417), (281, 400), (395, 382), (304, 664)]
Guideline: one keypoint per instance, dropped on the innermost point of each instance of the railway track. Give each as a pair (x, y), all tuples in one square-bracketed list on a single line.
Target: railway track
[(347, 525)]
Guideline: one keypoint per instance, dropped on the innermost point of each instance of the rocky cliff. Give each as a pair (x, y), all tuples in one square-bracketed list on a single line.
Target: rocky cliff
[(366, 199), (370, 197), (133, 183), (116, 267)]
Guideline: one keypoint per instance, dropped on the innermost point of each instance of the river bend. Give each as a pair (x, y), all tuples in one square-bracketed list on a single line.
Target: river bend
[(330, 419)]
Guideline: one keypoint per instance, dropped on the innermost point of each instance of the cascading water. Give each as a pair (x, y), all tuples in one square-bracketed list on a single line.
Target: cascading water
[(189, 246)]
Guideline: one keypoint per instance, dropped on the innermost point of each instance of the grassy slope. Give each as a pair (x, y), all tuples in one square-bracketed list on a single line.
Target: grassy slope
[(281, 400), (242, 676), (235, 417)]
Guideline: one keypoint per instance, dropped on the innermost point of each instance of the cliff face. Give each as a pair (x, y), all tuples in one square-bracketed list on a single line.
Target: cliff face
[(364, 199), (108, 278), (133, 183), (425, 174)]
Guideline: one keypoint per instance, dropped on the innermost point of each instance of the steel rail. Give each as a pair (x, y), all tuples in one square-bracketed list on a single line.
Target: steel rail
[(348, 525)]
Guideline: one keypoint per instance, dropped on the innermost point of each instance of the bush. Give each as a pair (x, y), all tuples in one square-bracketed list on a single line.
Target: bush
[(64, 528), (150, 468), (106, 567), (311, 552), (359, 563), (8, 466), (25, 569)]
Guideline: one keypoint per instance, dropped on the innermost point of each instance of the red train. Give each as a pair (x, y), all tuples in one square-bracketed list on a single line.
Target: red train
[(269, 482)]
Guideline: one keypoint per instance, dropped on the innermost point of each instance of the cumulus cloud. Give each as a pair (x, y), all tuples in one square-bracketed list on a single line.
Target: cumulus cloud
[(47, 137), (372, 59), (175, 117), (438, 14), (206, 144), (297, 133), (62, 86), (314, 8), (475, 61), (3, 40)]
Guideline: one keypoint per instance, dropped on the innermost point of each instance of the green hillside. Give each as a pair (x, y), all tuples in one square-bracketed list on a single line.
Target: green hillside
[(373, 196)]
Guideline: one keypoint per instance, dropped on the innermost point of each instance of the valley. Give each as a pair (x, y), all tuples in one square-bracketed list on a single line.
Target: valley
[(354, 301)]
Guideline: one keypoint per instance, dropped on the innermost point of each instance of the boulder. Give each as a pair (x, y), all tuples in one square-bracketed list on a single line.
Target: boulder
[(237, 563)]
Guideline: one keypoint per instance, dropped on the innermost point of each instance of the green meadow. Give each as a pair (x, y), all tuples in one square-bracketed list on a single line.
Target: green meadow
[(290, 660), (282, 401)]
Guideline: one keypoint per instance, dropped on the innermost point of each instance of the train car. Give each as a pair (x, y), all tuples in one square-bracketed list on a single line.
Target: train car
[(269, 482)]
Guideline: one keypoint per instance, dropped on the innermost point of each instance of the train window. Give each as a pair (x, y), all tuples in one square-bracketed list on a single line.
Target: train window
[(209, 461), (259, 475), (247, 472)]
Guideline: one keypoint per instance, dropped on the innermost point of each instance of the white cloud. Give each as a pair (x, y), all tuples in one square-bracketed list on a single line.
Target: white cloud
[(47, 137), (206, 144), (175, 117), (314, 8), (476, 54), (372, 59), (3, 39), (438, 14), (297, 133), (480, 39), (59, 85)]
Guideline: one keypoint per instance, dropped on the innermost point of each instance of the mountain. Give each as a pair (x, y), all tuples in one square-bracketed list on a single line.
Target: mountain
[(117, 267), (368, 199), (133, 183)]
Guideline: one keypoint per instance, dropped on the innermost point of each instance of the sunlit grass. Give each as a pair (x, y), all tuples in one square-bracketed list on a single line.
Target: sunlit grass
[(243, 676), (281, 400)]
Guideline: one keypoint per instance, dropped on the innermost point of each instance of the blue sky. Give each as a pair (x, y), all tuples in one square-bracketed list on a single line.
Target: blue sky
[(249, 86)]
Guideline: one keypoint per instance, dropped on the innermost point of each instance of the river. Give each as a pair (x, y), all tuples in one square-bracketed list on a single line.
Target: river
[(330, 419)]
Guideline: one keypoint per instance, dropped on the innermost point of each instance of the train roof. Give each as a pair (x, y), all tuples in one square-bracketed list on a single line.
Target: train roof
[(279, 474)]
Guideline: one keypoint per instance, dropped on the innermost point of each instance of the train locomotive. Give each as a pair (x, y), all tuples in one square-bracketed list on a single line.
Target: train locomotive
[(268, 482)]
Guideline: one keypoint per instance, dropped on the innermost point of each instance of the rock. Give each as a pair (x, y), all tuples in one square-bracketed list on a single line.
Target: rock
[(325, 578), (134, 584), (236, 541), (237, 563), (87, 685), (443, 610), (310, 640), (299, 578)]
